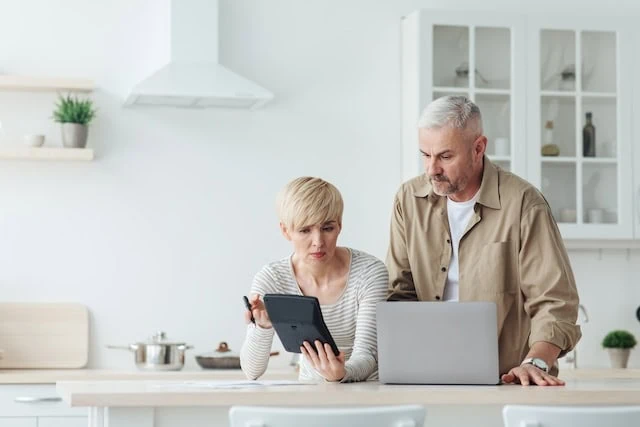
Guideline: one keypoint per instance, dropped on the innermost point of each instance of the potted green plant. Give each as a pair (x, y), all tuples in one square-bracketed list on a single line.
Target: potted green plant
[(74, 115), (619, 344)]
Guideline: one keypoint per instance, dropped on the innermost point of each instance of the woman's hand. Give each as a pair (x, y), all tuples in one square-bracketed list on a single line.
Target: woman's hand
[(323, 360), (258, 311)]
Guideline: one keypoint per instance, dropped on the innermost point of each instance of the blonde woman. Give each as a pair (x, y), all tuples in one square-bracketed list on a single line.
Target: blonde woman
[(347, 282)]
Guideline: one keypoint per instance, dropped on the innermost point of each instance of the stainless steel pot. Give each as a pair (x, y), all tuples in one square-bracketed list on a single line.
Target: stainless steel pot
[(157, 354)]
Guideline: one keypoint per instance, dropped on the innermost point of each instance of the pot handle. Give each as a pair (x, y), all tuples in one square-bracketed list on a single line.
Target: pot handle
[(131, 347), (184, 347)]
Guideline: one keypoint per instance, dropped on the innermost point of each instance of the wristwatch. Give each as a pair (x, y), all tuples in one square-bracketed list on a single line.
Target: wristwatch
[(537, 362)]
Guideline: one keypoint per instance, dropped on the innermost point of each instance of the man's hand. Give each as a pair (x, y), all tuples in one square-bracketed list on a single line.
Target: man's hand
[(527, 374), (327, 364)]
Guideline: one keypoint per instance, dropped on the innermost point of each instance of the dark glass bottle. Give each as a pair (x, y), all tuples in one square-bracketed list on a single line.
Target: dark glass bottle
[(589, 138)]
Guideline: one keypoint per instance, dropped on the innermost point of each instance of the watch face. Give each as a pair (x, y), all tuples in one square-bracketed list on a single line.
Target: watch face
[(539, 363)]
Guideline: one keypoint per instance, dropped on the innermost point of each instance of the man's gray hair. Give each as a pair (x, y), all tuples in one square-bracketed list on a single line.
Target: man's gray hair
[(455, 111)]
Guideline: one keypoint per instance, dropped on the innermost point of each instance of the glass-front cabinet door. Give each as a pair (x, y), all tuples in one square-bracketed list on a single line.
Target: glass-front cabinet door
[(479, 56), (635, 132), (579, 127)]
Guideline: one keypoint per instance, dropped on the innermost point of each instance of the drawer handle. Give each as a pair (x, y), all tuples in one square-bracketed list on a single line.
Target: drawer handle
[(29, 399)]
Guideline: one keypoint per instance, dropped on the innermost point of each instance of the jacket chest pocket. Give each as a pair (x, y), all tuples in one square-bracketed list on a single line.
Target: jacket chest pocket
[(495, 270)]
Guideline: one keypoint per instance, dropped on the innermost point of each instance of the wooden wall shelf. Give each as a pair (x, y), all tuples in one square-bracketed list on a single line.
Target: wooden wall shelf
[(44, 84), (17, 152)]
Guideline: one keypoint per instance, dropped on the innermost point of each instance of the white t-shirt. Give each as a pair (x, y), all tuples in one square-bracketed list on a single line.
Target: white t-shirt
[(459, 215)]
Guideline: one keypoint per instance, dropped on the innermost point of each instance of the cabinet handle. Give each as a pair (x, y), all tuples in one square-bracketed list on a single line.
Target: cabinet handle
[(30, 399)]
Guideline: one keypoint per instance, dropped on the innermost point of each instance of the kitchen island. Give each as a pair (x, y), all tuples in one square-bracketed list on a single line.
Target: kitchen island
[(164, 402)]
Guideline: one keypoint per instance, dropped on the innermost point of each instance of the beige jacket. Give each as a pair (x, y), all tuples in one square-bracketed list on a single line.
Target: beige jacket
[(511, 253)]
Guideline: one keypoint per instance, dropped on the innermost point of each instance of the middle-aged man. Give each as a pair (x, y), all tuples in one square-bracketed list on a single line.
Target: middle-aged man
[(467, 230)]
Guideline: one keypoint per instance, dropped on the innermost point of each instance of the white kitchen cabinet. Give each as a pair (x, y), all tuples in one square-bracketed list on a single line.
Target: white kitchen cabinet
[(636, 147), (62, 421), (18, 422), (591, 196), (479, 55), (512, 66), (37, 406), (43, 421)]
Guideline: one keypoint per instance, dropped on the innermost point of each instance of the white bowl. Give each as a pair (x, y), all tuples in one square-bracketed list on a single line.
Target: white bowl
[(34, 140)]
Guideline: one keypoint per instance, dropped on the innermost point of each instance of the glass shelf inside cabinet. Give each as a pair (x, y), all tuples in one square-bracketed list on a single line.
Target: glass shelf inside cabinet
[(440, 93), (598, 58), (450, 56), (493, 59), (557, 60), (559, 188), (558, 129), (600, 203), (496, 121), (503, 163), (604, 119)]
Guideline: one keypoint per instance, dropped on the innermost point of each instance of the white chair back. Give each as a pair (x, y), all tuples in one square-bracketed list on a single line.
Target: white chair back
[(571, 416), (371, 416)]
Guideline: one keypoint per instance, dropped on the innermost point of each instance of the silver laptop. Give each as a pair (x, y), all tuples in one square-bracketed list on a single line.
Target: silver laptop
[(437, 343)]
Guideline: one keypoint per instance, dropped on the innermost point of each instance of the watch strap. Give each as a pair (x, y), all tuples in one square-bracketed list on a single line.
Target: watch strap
[(537, 362)]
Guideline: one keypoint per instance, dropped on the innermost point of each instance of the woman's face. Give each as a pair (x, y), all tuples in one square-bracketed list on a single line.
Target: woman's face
[(315, 244)]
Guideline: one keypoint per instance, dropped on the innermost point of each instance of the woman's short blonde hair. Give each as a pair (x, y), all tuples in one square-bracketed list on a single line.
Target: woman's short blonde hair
[(309, 201)]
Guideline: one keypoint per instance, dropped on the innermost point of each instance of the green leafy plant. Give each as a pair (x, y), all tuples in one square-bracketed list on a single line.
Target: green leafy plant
[(73, 110), (619, 339)]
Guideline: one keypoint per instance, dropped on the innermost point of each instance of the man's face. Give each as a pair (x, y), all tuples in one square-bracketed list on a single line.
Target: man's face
[(452, 157)]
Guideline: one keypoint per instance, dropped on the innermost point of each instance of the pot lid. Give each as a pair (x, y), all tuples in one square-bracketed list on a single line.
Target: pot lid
[(223, 350), (160, 337)]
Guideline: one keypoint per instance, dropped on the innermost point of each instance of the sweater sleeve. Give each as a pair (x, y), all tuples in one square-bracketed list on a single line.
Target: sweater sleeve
[(363, 363), (254, 355)]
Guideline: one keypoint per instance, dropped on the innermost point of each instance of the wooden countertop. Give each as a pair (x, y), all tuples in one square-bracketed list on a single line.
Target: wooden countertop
[(597, 387), (603, 374), (52, 376)]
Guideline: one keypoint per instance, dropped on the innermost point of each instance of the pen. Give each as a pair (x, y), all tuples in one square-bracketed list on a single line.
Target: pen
[(248, 305)]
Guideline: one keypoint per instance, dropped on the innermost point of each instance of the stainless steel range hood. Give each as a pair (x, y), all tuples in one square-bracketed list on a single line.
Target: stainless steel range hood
[(193, 78)]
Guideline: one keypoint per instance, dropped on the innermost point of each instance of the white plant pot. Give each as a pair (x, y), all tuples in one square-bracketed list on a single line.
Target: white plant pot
[(74, 135), (619, 357)]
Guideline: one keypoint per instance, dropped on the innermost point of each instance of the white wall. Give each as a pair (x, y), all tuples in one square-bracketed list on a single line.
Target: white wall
[(167, 227)]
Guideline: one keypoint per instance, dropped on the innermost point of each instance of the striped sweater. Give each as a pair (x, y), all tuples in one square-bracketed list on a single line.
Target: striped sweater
[(351, 319)]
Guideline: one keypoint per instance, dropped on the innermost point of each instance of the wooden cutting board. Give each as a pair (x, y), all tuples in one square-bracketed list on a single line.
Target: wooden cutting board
[(43, 335)]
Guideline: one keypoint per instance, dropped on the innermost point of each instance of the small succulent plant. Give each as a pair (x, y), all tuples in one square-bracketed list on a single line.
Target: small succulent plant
[(619, 339), (70, 109)]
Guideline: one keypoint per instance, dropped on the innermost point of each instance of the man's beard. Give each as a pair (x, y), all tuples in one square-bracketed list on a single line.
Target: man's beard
[(450, 189)]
